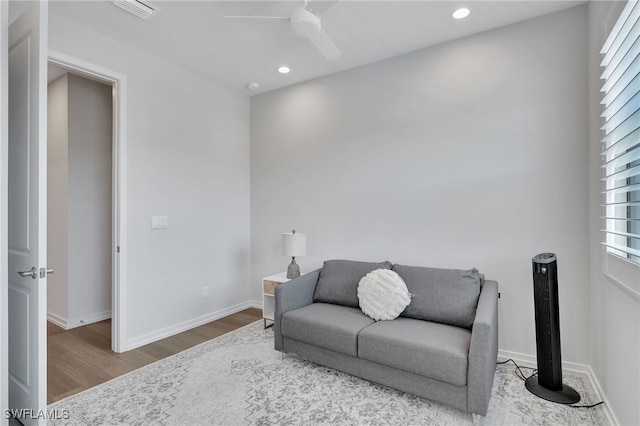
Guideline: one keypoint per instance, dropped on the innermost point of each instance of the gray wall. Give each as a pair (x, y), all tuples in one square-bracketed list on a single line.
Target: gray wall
[(79, 200), (187, 157), (468, 154), (615, 283)]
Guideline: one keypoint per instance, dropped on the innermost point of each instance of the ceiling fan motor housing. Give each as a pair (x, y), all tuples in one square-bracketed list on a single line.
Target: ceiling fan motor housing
[(304, 23)]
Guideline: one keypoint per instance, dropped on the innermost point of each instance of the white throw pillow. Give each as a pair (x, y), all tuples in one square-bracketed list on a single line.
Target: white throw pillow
[(383, 295)]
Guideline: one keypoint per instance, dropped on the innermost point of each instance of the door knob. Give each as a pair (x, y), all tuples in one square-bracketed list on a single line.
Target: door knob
[(33, 273)]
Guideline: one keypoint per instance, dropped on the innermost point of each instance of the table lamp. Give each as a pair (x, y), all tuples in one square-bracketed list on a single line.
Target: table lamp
[(294, 244)]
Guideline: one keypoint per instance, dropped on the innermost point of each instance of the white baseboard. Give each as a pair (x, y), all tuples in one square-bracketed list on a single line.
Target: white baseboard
[(57, 320), (136, 342), (89, 319), (68, 324), (611, 416), (527, 360)]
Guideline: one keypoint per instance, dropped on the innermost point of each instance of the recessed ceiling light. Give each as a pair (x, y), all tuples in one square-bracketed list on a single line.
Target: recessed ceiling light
[(253, 86), (463, 12), (283, 70)]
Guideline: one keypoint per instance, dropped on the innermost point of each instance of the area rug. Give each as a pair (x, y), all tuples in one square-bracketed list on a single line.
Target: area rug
[(239, 379)]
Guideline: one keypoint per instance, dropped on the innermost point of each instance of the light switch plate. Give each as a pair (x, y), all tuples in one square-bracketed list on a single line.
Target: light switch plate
[(159, 222)]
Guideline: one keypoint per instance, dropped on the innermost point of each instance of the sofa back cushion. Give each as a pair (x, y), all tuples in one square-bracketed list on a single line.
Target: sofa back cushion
[(338, 281), (448, 296)]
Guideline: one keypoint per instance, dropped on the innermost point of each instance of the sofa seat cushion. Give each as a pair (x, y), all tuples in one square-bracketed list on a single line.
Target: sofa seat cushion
[(434, 350), (329, 326)]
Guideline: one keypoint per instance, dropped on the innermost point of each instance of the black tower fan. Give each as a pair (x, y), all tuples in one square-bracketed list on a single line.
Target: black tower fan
[(547, 384)]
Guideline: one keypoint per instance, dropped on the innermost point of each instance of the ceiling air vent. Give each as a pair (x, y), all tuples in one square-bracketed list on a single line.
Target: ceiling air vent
[(139, 8)]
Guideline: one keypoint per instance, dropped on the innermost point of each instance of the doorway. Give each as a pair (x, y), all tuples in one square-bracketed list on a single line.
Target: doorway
[(79, 199), (89, 74)]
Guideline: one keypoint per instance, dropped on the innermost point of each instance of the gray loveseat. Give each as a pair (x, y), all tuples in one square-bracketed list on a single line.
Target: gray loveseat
[(442, 347)]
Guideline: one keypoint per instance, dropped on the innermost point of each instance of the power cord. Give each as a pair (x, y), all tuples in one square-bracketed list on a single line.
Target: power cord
[(519, 371), (522, 376), (587, 406)]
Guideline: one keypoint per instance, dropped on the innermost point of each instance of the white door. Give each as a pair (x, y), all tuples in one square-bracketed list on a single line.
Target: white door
[(27, 213)]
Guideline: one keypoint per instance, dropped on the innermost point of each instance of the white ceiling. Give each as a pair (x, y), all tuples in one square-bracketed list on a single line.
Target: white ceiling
[(196, 35)]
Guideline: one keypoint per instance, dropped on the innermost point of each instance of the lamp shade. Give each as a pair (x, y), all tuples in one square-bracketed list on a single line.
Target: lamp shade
[(294, 244)]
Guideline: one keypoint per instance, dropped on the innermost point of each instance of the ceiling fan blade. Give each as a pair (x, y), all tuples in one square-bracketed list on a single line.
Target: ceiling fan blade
[(257, 18), (320, 7), (325, 45)]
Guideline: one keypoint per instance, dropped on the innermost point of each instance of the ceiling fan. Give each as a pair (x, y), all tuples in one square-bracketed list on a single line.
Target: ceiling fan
[(305, 21)]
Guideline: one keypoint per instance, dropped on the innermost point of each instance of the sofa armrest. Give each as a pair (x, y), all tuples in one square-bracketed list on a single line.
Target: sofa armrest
[(483, 350), (292, 295)]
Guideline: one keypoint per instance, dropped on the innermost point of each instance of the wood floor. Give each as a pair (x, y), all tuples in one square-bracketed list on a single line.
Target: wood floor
[(81, 358)]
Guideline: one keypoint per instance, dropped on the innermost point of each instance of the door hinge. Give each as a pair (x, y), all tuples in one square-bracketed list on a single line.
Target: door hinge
[(118, 249)]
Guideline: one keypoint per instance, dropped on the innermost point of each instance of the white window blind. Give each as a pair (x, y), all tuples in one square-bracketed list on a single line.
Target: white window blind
[(621, 143)]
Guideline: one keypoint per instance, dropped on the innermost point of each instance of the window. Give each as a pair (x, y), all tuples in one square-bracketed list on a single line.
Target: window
[(621, 143)]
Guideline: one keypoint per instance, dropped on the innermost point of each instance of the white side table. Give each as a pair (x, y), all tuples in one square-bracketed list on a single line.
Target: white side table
[(268, 295)]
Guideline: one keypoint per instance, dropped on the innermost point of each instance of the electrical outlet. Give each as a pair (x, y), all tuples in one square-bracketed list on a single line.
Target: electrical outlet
[(205, 292)]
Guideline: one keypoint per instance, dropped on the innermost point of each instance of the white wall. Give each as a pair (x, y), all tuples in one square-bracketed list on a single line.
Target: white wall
[(615, 298), (468, 154), (79, 200), (90, 206), (57, 199), (188, 159)]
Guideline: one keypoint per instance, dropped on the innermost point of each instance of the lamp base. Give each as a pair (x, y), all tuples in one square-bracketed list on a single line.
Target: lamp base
[(566, 395), (293, 270)]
